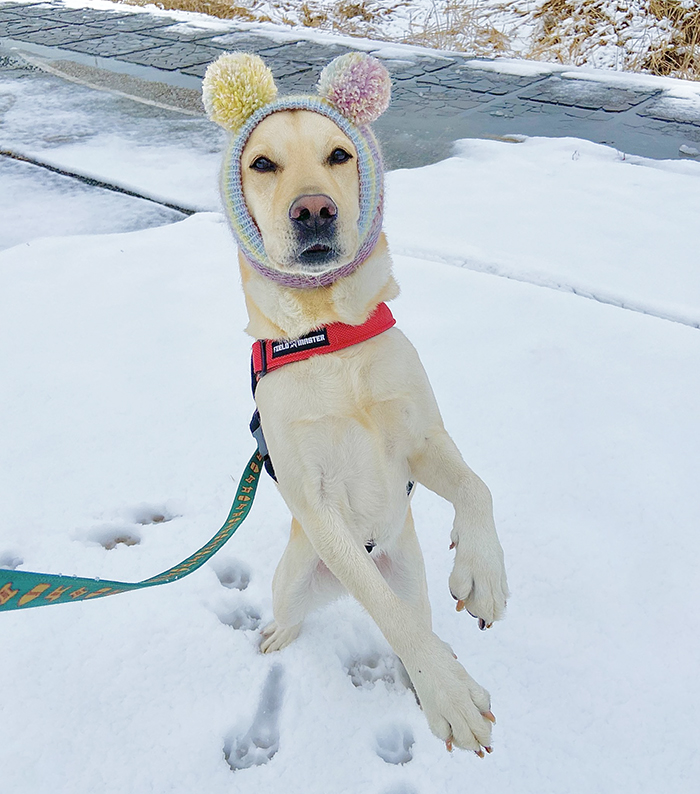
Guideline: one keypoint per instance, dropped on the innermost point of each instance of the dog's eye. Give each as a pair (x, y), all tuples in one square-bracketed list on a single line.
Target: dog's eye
[(263, 164), (339, 156)]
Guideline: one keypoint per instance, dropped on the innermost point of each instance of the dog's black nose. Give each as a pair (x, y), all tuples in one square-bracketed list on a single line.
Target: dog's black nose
[(313, 213)]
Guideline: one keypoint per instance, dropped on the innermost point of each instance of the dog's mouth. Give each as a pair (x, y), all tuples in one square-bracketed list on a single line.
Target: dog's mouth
[(317, 254)]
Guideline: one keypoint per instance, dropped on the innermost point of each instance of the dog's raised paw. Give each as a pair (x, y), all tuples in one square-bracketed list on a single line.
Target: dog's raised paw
[(483, 595), (274, 637), (394, 744), (457, 708), (258, 745)]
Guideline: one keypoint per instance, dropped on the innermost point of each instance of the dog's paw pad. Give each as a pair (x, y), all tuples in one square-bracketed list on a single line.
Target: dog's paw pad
[(109, 536), (258, 745), (242, 618), (394, 744), (233, 574), (365, 671)]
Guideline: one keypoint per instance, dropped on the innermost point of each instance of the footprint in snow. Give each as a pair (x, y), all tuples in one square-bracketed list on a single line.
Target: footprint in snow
[(109, 536), (128, 531), (242, 617), (394, 743), (260, 743), (366, 670), (235, 575), (401, 789), (232, 574), (149, 514), (10, 561)]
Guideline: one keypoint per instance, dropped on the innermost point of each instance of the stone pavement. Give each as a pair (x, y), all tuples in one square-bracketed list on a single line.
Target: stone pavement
[(436, 98)]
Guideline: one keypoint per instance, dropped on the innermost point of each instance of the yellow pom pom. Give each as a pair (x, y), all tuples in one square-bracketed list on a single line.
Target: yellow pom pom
[(234, 87)]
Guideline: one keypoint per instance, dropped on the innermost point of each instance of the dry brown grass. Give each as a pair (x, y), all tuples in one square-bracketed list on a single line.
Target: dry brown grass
[(669, 43), (350, 17), (679, 56), (463, 26), (568, 31), (215, 8)]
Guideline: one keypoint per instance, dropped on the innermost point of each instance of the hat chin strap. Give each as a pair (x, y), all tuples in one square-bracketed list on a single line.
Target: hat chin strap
[(298, 280)]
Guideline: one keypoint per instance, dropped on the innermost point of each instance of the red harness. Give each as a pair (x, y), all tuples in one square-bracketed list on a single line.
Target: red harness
[(270, 354)]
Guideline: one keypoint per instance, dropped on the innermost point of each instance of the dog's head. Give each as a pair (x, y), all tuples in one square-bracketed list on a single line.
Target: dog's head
[(302, 180), (302, 188)]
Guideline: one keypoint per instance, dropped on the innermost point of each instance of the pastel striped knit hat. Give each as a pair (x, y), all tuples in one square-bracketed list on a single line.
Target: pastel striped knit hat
[(354, 89)]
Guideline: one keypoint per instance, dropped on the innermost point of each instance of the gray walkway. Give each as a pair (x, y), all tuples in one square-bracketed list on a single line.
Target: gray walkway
[(436, 100)]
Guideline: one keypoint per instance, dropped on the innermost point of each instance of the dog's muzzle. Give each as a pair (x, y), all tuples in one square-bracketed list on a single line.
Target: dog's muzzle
[(313, 219)]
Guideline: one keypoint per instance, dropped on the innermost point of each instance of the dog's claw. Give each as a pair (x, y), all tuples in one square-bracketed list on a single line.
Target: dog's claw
[(480, 753), (488, 749), (448, 744), (461, 606), (488, 715), (452, 545)]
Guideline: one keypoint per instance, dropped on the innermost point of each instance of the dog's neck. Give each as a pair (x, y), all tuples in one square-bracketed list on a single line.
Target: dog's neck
[(278, 312)]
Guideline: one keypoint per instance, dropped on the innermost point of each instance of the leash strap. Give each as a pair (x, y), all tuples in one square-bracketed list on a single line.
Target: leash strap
[(23, 589)]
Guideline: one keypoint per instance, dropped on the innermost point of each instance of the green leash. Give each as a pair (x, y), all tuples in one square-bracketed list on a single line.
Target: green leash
[(23, 589)]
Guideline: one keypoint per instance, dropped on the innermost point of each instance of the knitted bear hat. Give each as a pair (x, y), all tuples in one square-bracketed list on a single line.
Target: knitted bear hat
[(239, 91)]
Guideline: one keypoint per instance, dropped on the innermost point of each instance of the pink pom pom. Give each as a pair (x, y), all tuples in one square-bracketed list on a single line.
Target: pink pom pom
[(357, 85)]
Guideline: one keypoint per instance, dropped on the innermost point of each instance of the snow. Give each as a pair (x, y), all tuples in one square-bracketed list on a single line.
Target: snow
[(562, 213), (125, 399), (35, 202), (516, 67), (107, 137), (686, 89)]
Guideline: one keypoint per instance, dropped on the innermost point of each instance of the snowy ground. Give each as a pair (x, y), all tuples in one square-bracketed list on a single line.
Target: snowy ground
[(125, 400), (97, 134)]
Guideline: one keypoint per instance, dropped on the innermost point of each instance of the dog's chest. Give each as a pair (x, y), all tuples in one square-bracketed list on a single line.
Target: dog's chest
[(343, 426), (375, 385)]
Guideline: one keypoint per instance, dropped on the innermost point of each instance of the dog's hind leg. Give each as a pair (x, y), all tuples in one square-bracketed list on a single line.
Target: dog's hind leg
[(301, 584)]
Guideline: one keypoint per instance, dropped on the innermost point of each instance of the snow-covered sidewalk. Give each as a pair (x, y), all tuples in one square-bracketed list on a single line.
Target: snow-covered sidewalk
[(125, 401)]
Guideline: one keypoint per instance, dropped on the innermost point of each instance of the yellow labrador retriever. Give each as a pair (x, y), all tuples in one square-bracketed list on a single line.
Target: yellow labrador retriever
[(348, 431)]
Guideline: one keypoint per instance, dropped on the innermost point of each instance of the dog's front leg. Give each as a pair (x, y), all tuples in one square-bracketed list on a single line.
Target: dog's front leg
[(457, 708), (478, 580)]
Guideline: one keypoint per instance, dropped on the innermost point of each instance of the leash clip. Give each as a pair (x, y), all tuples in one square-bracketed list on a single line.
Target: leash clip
[(257, 433)]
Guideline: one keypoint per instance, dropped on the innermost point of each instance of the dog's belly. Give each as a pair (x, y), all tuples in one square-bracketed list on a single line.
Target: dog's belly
[(341, 429)]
